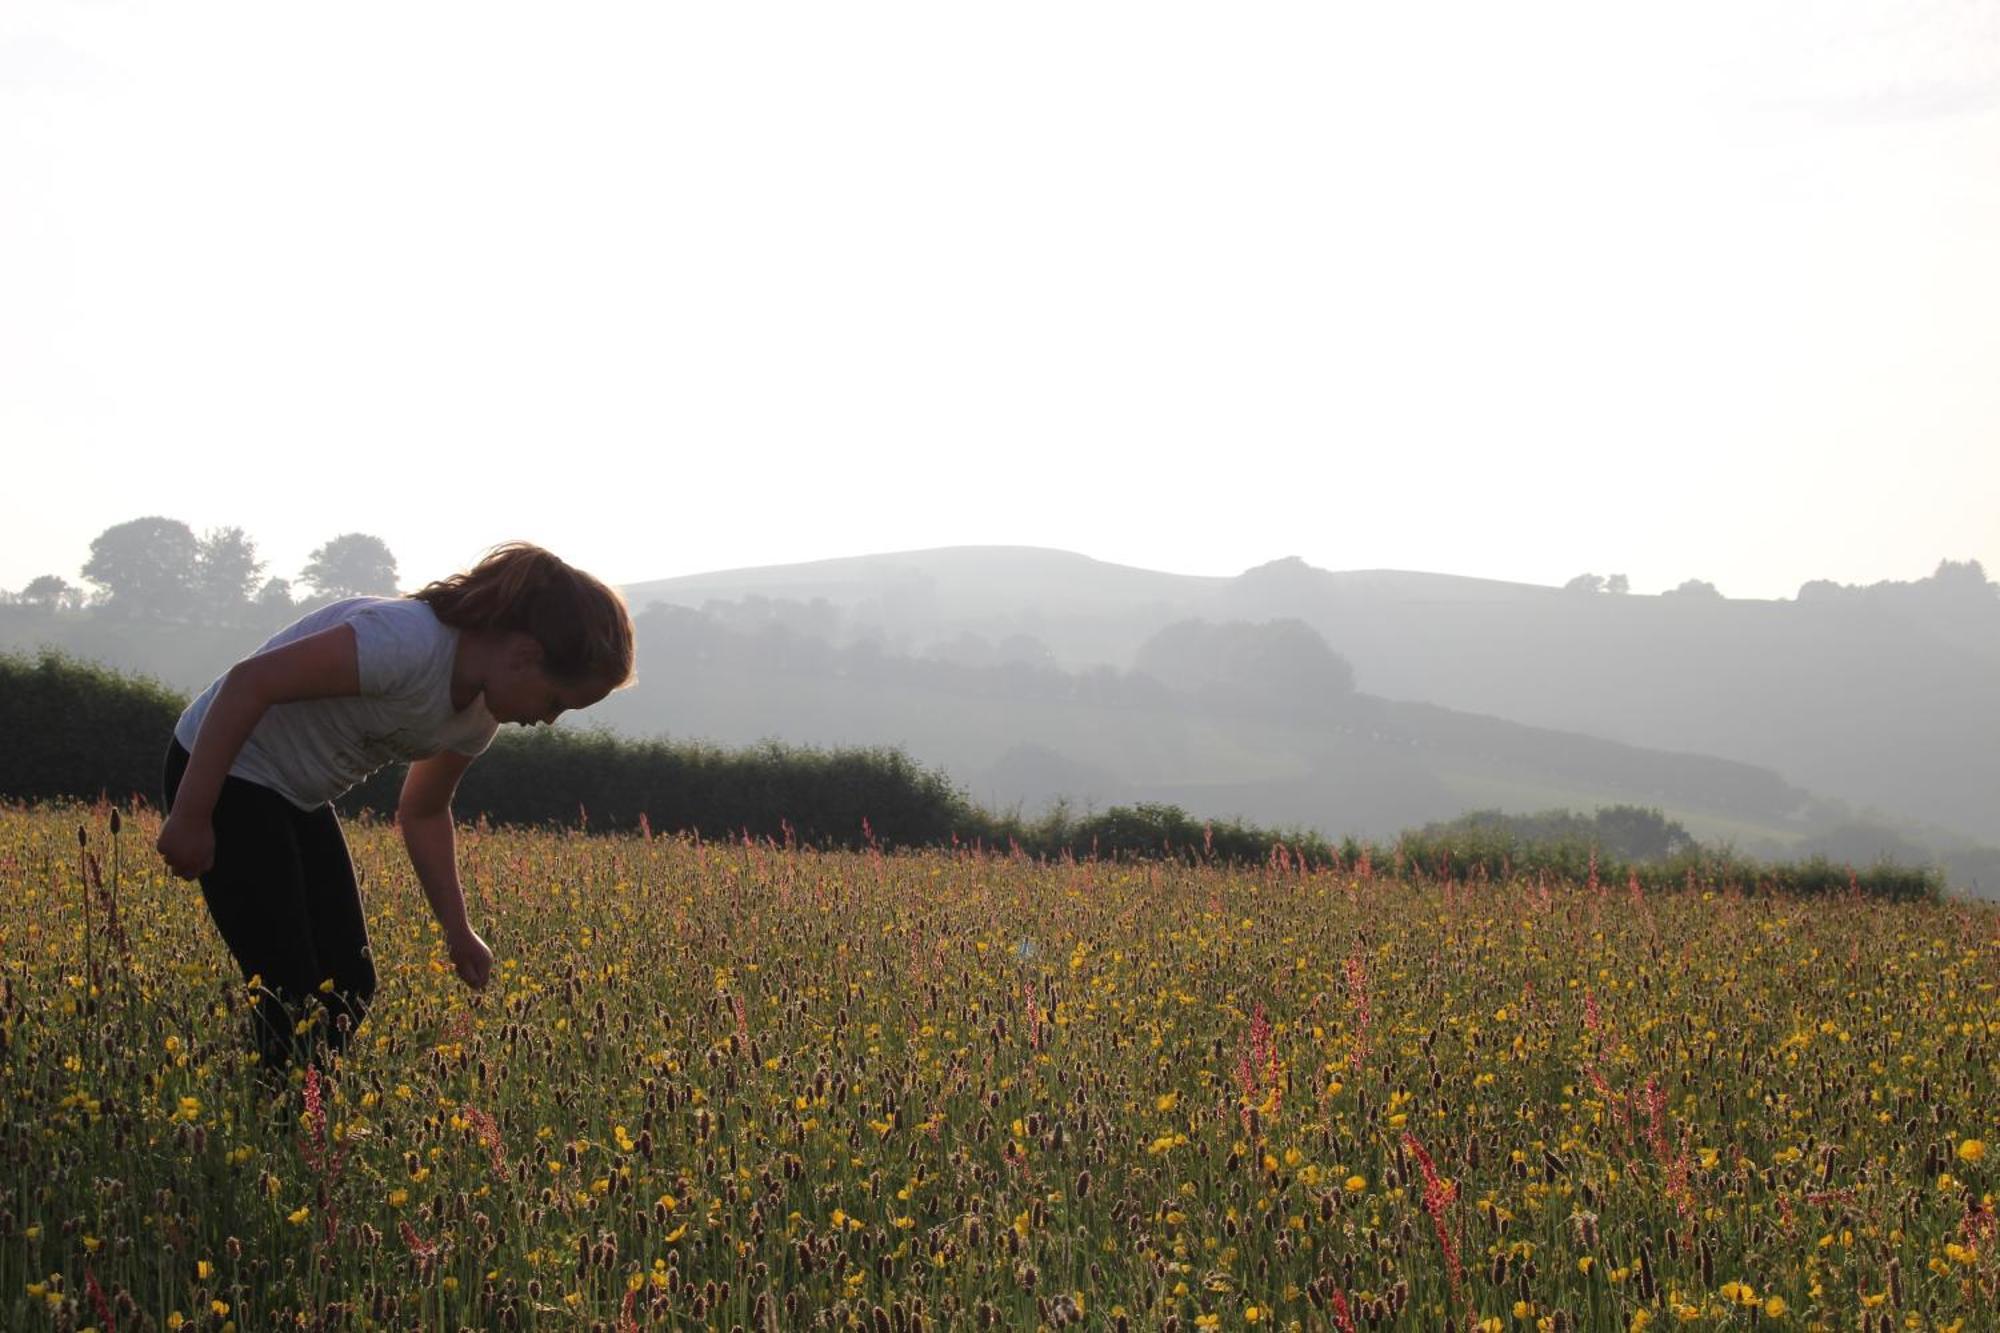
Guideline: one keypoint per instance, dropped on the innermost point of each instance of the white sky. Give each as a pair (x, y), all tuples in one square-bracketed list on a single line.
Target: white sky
[(1515, 290)]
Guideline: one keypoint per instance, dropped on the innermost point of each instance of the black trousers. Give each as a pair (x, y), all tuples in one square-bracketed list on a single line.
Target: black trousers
[(283, 894)]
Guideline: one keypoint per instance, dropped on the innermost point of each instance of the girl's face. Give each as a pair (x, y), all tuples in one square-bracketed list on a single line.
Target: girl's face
[(520, 691)]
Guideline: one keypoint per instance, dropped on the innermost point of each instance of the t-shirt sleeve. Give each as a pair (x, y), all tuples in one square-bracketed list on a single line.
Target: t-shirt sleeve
[(391, 652)]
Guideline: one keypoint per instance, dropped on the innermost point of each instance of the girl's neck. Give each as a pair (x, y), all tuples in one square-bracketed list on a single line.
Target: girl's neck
[(471, 662)]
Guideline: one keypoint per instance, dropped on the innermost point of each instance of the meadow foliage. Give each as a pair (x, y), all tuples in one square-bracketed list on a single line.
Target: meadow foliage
[(722, 1084)]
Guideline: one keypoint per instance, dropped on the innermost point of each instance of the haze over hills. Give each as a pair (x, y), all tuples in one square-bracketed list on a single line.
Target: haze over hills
[(1886, 697), (1260, 722)]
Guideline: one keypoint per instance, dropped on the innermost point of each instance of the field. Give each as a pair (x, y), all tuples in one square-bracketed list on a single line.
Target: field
[(724, 1085)]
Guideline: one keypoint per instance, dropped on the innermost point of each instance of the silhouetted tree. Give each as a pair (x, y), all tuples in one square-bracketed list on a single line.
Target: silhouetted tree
[(225, 571), (1639, 834), (145, 566), (275, 595), (51, 592), (1964, 578), (1585, 583), (1695, 588), (1618, 584), (353, 564), (1280, 664)]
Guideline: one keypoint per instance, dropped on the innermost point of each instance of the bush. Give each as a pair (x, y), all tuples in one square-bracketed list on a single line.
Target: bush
[(818, 797), (76, 729)]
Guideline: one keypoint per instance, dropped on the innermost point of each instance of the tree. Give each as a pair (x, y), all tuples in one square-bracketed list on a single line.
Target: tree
[(225, 570), (1695, 588), (1585, 583), (145, 566), (1635, 833), (1964, 578), (1618, 584), (50, 592), (353, 564), (275, 595), (1282, 666)]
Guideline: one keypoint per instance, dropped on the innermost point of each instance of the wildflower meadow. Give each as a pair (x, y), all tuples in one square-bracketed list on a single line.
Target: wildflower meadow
[(749, 1085)]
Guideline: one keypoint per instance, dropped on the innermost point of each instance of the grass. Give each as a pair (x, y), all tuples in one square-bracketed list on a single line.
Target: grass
[(719, 1085)]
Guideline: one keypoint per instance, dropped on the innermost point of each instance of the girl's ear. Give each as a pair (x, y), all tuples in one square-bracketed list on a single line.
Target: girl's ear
[(523, 651)]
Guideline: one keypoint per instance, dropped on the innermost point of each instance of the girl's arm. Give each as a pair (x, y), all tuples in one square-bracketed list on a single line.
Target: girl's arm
[(319, 666), (424, 815)]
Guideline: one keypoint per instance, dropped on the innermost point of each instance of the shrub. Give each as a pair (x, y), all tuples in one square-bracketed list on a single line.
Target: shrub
[(77, 729)]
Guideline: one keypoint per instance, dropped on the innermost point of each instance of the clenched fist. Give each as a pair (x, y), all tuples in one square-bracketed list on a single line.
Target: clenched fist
[(187, 844)]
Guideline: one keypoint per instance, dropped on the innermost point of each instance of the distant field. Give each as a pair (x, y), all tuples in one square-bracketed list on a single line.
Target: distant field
[(720, 1086)]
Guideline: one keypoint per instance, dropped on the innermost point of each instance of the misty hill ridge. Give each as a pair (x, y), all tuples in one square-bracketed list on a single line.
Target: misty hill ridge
[(1231, 720), (1043, 575), (1887, 697)]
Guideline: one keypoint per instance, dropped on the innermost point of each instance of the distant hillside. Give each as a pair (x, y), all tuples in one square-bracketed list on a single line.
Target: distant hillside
[(1272, 747), (1887, 698)]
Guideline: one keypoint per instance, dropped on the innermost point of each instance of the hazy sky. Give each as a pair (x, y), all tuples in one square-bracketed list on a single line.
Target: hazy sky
[(1516, 290)]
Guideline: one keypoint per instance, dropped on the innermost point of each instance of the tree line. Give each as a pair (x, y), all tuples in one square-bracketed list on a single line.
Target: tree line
[(157, 569), (1953, 580)]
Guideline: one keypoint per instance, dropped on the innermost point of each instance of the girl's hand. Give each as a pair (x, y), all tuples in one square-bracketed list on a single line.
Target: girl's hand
[(472, 958), (187, 844)]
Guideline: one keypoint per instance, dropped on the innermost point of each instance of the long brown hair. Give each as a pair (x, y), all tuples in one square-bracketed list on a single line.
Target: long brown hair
[(581, 623)]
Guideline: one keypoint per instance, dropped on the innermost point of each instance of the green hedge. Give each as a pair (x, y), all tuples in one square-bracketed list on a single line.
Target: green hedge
[(777, 792), (76, 729), (1489, 853)]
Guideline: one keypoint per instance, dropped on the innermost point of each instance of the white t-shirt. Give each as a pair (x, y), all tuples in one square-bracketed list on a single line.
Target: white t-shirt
[(311, 751)]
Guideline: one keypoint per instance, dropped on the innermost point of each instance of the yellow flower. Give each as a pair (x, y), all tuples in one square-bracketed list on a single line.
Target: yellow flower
[(1251, 1314), (399, 1197), (1971, 1151), (1356, 1184), (299, 1217), (1775, 1308)]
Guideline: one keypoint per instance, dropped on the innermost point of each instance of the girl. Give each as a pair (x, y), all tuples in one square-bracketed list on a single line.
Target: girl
[(350, 687)]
